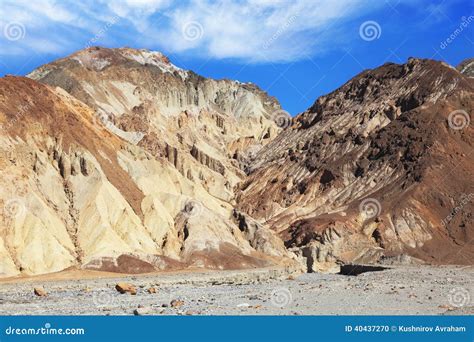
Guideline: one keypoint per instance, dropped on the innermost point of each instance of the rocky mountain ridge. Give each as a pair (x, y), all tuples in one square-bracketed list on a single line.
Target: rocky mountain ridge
[(115, 159), (362, 174), (104, 168)]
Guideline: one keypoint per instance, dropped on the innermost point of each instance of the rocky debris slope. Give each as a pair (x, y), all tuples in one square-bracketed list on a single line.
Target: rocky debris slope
[(114, 170), (382, 166)]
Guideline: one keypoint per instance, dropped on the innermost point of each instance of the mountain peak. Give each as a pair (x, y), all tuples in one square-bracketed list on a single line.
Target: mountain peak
[(99, 58), (395, 88), (141, 55), (382, 140), (125, 127)]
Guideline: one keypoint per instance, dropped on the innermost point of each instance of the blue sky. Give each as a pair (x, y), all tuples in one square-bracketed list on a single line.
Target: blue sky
[(295, 50)]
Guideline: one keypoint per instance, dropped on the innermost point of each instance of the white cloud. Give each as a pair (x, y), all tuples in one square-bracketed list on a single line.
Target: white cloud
[(258, 30), (248, 30)]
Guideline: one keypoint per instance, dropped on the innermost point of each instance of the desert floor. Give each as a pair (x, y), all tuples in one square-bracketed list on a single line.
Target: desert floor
[(399, 290)]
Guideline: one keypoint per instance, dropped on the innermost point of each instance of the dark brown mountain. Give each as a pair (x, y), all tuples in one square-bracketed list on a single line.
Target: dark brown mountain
[(381, 167)]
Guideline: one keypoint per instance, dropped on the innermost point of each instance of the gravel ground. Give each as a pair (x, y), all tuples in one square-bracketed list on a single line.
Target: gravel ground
[(405, 290)]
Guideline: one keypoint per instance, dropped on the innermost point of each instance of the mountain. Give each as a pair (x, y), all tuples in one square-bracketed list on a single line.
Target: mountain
[(173, 109), (378, 169), (118, 160), (115, 159)]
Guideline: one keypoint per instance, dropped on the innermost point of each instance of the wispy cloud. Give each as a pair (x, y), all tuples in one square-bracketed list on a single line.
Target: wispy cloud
[(256, 31)]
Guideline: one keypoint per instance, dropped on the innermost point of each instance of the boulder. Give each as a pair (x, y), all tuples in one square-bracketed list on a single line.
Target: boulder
[(40, 292), (177, 303), (126, 288), (141, 310)]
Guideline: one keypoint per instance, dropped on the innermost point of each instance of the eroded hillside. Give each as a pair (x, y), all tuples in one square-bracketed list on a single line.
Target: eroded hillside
[(124, 162), (374, 169)]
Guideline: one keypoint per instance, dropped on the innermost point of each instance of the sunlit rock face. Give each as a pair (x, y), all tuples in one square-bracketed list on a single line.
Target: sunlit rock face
[(373, 170), (115, 159)]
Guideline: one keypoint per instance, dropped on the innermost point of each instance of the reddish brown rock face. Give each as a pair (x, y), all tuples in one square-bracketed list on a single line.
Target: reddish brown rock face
[(397, 137)]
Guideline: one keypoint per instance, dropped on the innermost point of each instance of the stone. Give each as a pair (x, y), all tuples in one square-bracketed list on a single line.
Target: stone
[(141, 310), (176, 303), (40, 292), (446, 307), (126, 288)]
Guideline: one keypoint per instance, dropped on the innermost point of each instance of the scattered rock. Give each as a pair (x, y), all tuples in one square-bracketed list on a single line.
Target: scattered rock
[(177, 303), (126, 288), (40, 292), (140, 311), (446, 307), (151, 290)]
